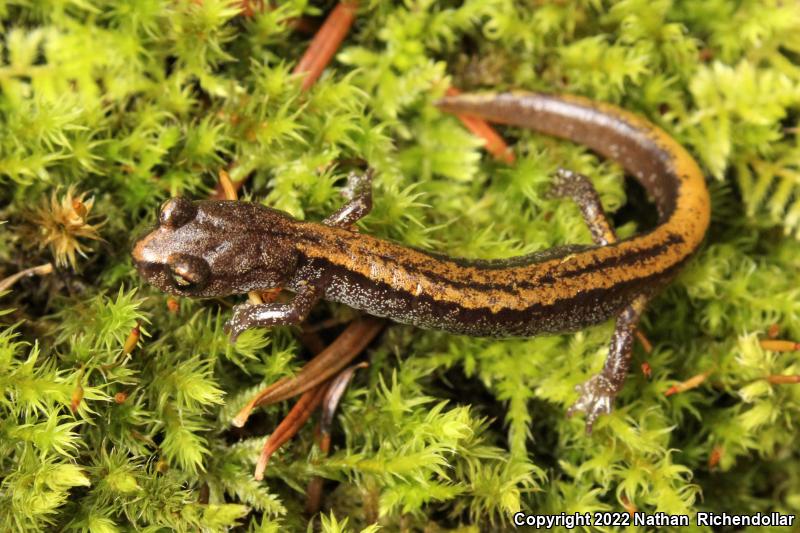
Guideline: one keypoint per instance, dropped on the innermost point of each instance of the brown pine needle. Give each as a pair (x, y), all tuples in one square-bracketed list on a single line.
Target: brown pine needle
[(495, 144), (691, 383), (781, 379), (326, 42), (336, 356), (289, 426), (41, 270), (647, 346), (775, 345), (228, 189), (336, 388)]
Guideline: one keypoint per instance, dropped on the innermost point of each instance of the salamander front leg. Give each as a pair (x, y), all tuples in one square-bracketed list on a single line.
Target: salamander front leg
[(246, 316), (598, 393), (358, 192)]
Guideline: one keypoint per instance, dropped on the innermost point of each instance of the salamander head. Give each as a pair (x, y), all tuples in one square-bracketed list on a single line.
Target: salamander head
[(216, 248)]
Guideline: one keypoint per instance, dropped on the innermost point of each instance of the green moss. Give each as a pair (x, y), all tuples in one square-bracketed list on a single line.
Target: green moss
[(135, 101)]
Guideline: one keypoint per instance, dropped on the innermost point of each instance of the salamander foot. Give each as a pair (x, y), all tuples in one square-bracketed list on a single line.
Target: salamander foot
[(596, 398)]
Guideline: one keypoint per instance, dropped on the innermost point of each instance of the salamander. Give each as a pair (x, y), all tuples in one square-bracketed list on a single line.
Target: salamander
[(215, 248)]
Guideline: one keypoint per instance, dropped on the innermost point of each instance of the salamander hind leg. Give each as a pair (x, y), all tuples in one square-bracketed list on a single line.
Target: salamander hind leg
[(598, 393), (358, 193), (576, 186)]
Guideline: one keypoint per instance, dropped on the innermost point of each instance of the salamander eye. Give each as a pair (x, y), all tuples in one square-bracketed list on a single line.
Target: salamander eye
[(188, 272), (176, 212)]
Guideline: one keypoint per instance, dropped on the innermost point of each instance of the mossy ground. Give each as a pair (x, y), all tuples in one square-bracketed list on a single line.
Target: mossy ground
[(130, 102)]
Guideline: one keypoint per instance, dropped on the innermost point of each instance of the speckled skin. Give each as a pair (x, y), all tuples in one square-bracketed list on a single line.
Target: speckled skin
[(215, 248)]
